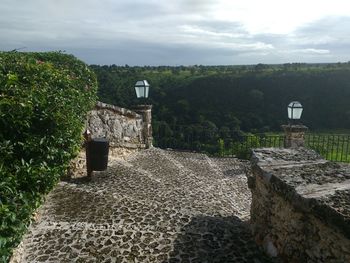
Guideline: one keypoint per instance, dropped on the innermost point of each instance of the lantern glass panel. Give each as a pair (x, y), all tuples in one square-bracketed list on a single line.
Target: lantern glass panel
[(145, 83), (297, 113), (289, 112), (295, 110), (146, 91), (139, 91), (142, 89)]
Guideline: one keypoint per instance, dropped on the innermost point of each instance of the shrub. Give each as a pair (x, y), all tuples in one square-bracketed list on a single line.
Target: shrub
[(243, 149), (44, 98)]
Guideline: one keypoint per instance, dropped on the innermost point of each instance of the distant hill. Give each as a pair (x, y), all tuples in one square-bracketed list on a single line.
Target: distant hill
[(249, 98)]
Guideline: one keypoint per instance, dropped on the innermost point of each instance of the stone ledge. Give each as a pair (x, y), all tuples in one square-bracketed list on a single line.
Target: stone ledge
[(122, 111), (313, 189), (307, 185), (294, 128), (266, 157), (122, 127)]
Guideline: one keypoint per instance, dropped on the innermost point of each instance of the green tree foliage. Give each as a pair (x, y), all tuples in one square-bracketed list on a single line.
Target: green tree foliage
[(44, 98), (239, 98)]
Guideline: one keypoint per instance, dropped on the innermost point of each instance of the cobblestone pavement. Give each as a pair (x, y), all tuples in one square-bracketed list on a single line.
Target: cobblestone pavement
[(155, 206)]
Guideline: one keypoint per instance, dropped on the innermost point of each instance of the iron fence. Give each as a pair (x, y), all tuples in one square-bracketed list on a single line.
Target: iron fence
[(334, 147)]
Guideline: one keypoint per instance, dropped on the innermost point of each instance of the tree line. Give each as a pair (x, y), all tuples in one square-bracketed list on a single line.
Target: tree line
[(231, 100)]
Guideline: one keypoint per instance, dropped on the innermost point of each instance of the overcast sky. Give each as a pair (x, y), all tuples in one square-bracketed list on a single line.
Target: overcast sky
[(180, 32)]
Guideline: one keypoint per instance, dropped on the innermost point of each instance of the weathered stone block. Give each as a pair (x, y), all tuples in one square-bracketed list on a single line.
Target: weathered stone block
[(294, 135), (120, 126), (300, 205)]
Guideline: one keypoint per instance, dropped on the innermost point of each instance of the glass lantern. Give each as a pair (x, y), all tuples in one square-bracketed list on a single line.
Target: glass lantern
[(142, 89), (295, 110)]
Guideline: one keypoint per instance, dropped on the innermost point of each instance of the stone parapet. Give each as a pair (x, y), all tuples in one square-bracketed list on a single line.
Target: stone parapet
[(122, 127), (300, 208), (118, 110), (126, 130)]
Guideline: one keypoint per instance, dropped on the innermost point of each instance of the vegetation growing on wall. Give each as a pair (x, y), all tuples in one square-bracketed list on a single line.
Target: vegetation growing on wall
[(44, 98)]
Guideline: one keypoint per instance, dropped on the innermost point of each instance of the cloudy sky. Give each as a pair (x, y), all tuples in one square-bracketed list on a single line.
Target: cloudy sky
[(180, 32)]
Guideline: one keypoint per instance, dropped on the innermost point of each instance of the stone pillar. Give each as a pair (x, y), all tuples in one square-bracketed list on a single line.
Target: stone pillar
[(294, 135), (146, 112)]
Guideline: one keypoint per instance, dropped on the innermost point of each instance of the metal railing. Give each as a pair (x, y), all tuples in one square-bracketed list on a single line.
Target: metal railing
[(333, 147)]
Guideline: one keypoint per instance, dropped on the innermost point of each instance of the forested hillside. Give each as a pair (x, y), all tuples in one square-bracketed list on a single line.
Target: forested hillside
[(230, 99)]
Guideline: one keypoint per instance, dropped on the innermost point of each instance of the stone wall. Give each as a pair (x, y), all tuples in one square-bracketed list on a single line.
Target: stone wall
[(300, 208), (127, 131), (122, 127)]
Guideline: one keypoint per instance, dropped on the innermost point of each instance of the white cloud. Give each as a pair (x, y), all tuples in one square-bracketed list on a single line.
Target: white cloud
[(279, 17), (308, 51), (314, 51), (196, 30)]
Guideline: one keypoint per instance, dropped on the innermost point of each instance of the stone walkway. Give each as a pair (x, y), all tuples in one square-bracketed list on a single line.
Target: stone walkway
[(155, 206)]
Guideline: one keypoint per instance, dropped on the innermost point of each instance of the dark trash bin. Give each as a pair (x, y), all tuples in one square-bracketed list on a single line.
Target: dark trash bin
[(98, 149)]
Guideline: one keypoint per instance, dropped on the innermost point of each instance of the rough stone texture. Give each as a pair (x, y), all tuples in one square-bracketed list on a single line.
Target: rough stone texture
[(153, 206), (77, 167), (294, 135), (126, 131), (122, 127), (300, 205), (146, 112)]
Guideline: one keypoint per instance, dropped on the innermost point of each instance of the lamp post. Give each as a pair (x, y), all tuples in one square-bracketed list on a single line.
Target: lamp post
[(142, 91), (294, 131)]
